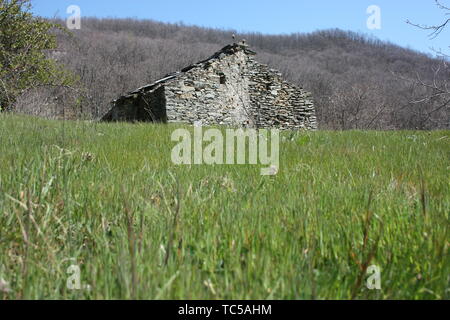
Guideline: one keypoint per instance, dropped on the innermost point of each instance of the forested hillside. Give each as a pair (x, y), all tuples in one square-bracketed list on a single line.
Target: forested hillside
[(357, 82)]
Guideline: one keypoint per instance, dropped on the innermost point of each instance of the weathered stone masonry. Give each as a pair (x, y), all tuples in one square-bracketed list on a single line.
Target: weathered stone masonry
[(229, 88)]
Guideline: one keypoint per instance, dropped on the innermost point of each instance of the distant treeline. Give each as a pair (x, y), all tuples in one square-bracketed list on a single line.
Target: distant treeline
[(357, 82)]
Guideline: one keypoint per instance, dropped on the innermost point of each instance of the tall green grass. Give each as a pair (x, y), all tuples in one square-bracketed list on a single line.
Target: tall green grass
[(107, 198)]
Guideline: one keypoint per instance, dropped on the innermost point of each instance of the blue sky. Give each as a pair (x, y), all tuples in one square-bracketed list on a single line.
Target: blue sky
[(274, 16)]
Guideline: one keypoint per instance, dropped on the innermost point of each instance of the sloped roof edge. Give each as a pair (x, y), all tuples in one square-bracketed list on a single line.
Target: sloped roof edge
[(227, 50)]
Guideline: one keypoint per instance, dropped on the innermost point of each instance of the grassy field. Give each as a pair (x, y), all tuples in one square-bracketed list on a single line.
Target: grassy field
[(106, 198)]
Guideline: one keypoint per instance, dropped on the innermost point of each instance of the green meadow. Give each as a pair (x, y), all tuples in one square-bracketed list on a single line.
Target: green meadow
[(103, 203)]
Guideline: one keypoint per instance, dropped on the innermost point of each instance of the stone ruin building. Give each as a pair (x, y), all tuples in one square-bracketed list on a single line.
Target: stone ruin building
[(229, 88)]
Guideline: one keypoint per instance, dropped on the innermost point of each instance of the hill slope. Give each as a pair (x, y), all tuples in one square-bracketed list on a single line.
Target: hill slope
[(356, 81)]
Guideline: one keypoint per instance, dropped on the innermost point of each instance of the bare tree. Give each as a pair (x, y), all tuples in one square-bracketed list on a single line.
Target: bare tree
[(437, 90)]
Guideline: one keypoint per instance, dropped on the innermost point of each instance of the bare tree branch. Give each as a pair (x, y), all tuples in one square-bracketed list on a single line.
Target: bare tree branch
[(436, 29)]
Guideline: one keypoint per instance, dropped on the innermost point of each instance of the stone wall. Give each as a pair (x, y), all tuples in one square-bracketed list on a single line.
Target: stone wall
[(215, 93), (230, 88), (153, 103), (276, 103)]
